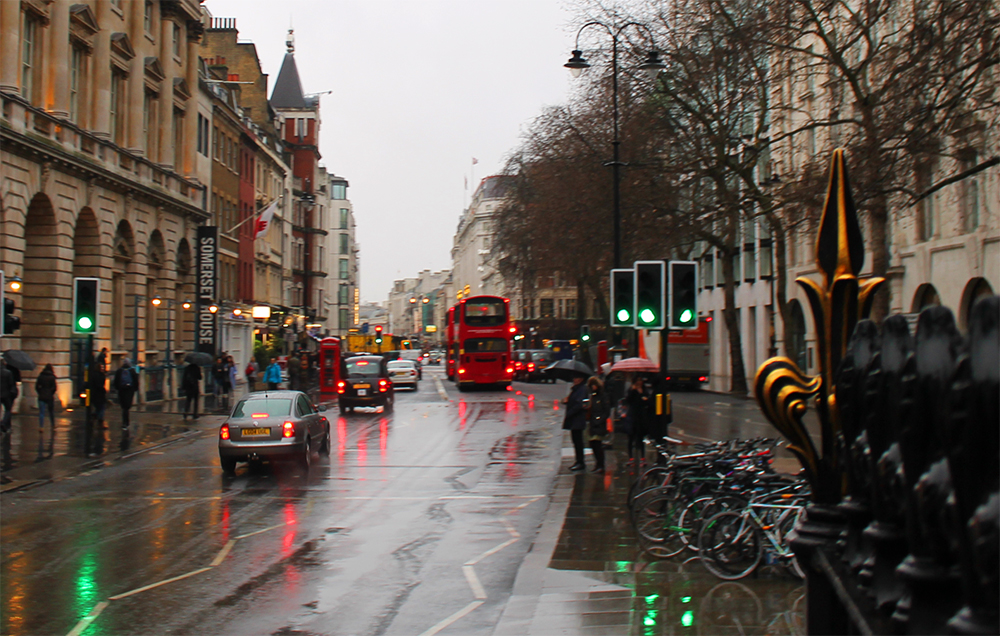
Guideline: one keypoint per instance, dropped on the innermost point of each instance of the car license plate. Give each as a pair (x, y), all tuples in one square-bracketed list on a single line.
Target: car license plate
[(362, 386), (362, 392), (255, 432)]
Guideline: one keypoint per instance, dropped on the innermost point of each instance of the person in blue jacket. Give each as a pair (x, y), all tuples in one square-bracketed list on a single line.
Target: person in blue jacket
[(272, 375)]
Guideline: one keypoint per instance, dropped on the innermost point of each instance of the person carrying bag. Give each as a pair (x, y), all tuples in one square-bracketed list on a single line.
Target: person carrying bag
[(597, 422)]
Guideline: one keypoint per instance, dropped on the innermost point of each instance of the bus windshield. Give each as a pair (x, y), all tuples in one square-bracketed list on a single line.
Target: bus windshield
[(486, 312)]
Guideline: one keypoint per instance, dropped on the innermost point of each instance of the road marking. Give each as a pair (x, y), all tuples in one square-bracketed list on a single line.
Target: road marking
[(440, 388), (117, 597), (223, 552), (477, 587), (250, 534), (451, 619), (88, 619)]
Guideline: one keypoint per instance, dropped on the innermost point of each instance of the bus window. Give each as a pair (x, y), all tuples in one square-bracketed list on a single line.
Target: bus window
[(485, 313), (480, 345)]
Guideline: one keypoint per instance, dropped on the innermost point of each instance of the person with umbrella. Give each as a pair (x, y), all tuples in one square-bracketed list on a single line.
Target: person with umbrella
[(597, 421), (124, 383), (45, 389), (575, 419), (96, 382), (191, 386), (638, 408)]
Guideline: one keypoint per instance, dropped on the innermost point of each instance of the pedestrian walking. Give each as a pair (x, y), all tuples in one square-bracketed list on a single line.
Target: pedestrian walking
[(220, 377), (251, 372), (45, 389), (125, 383), (96, 382), (191, 385), (575, 419), (638, 408), (8, 393), (294, 372), (272, 376), (231, 375), (597, 421)]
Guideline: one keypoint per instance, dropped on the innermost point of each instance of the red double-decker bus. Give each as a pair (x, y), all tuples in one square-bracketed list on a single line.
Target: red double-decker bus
[(480, 342), (451, 351)]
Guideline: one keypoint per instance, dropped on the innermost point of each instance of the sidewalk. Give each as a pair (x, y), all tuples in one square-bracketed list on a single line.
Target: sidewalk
[(152, 425), (586, 574)]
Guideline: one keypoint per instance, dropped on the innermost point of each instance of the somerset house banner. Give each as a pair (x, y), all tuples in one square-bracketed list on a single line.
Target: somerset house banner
[(208, 264)]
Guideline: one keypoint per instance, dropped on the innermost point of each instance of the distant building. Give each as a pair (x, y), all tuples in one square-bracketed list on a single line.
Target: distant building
[(472, 270)]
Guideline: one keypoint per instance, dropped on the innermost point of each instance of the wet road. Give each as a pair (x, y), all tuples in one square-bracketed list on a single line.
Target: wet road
[(417, 522)]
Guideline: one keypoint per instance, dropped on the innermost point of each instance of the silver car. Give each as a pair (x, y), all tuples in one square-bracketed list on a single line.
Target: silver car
[(404, 373), (273, 425)]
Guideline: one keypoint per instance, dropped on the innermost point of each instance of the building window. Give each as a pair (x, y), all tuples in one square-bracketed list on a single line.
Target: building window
[(971, 198), (338, 191), (202, 135), (766, 252), (545, 307), (345, 216), (76, 61), (178, 140), (344, 269), (344, 247), (29, 35), (571, 308), (117, 117), (749, 251), (215, 142), (344, 296), (149, 105), (708, 271), (177, 40), (344, 322), (147, 17)]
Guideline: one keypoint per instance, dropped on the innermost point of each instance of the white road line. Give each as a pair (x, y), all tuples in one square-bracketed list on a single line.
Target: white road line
[(477, 587), (223, 553), (451, 619), (88, 619), (489, 552), (250, 534), (440, 388), (158, 584)]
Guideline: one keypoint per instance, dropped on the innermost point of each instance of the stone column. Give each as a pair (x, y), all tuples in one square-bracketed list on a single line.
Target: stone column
[(191, 113), (100, 75), (57, 69), (10, 41), (167, 94), (134, 108)]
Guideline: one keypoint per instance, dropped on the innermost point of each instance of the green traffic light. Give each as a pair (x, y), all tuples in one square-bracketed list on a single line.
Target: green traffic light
[(647, 316), (624, 315), (686, 316), (85, 323)]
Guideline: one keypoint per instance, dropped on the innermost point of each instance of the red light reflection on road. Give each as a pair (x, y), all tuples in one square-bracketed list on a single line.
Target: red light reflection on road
[(555, 405), (341, 438), (383, 436), (531, 401), (225, 521), (362, 450), (463, 408), (288, 540), (512, 471)]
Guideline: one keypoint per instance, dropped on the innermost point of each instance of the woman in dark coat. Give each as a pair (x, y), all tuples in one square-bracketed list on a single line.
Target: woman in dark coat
[(638, 408), (575, 420), (597, 421), (191, 385), (45, 388)]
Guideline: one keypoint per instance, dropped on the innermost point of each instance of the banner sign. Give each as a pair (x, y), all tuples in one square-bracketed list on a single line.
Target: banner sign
[(207, 286)]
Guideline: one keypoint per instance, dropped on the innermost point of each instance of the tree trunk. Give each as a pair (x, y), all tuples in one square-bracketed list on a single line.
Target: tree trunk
[(732, 318), (880, 255), (780, 281)]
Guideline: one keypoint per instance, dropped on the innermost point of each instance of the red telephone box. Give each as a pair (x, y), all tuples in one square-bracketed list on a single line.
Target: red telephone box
[(329, 365)]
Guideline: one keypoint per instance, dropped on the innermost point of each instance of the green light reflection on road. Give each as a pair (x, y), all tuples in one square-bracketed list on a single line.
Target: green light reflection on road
[(687, 618), (86, 587)]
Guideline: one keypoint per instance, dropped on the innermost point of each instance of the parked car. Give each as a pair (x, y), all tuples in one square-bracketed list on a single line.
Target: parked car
[(416, 357), (540, 358), (404, 373), (365, 382), (273, 425)]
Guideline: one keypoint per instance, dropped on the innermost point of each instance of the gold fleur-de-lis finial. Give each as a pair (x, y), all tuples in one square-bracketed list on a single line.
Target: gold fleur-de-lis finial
[(782, 389)]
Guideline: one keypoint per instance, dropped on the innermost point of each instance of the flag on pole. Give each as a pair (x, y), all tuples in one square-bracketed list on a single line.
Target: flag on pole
[(466, 182), (264, 221), (475, 161)]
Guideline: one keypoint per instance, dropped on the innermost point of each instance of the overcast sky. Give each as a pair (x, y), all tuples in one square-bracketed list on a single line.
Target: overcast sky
[(419, 89)]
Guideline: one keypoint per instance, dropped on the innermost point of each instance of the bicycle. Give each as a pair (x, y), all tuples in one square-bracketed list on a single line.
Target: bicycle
[(732, 544)]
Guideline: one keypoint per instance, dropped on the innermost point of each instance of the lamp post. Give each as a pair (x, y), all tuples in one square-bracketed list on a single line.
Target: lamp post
[(156, 302), (577, 64)]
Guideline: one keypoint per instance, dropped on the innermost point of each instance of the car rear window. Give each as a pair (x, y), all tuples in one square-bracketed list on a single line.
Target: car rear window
[(401, 364), (260, 408), (362, 368), (541, 357)]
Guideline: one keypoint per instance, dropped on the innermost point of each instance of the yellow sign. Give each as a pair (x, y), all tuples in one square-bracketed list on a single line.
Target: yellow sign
[(430, 328)]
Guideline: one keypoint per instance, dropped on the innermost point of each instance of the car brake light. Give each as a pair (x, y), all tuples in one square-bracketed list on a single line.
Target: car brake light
[(531, 365), (224, 432), (702, 379), (513, 329), (288, 429), (383, 386), (461, 370), (257, 416), (510, 370), (341, 385)]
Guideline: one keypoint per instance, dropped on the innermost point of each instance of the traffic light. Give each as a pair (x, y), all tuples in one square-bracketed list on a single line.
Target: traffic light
[(11, 323), (683, 295), (649, 294), (378, 334), (85, 305), (622, 297), (585, 333)]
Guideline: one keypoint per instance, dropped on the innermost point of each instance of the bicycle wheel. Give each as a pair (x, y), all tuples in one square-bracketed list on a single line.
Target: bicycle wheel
[(655, 523), (730, 545), (698, 511), (650, 478)]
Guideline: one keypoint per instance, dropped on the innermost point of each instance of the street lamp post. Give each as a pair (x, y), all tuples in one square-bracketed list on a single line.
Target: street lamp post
[(156, 302), (652, 66)]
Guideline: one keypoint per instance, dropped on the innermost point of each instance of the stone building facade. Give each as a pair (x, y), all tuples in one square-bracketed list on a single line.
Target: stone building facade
[(100, 173)]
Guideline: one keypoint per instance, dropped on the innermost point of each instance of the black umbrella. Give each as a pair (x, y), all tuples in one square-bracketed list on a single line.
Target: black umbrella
[(568, 369), (200, 358), (19, 360)]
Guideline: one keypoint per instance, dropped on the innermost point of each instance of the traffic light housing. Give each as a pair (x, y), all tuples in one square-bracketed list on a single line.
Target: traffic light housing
[(650, 287), (683, 295), (378, 334), (11, 323), (622, 297), (585, 333), (85, 305)]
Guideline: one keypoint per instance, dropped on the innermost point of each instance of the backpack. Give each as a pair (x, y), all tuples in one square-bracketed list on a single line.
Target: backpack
[(249, 372), (126, 381)]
